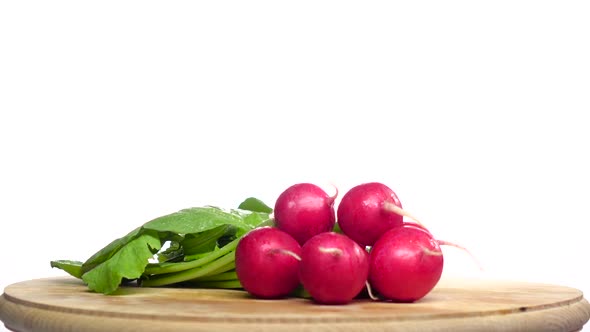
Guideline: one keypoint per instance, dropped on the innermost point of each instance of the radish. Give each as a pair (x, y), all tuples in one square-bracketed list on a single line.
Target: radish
[(304, 210), (369, 210), (406, 263), (267, 262), (333, 268)]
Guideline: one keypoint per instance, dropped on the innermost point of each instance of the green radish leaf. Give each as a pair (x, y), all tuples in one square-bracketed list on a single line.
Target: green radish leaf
[(173, 253), (129, 262), (74, 268), (224, 240), (255, 205), (205, 241), (198, 230), (249, 218), (107, 252), (196, 220), (301, 292)]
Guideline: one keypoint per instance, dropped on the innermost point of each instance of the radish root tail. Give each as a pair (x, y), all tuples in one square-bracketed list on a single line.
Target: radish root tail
[(431, 252), (370, 291), (333, 251), (451, 244), (332, 198), (388, 206), (286, 252)]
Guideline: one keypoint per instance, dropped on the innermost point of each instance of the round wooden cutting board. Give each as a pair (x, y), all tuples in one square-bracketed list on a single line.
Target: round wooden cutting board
[(65, 304)]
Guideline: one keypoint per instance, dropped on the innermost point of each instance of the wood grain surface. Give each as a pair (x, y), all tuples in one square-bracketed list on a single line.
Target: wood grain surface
[(65, 304)]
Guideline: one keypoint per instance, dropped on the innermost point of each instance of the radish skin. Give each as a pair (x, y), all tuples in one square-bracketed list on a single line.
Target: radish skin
[(266, 263), (364, 213), (333, 268), (305, 210), (406, 263)]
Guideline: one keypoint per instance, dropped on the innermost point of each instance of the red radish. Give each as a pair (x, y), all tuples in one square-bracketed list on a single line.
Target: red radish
[(304, 210), (367, 211), (333, 268), (406, 263), (267, 264)]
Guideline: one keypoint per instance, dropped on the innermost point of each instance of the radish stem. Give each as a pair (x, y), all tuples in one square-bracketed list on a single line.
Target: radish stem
[(227, 267), (190, 274), (225, 276), (163, 268), (227, 284)]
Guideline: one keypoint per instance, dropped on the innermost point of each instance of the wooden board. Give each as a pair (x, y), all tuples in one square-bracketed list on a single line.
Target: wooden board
[(65, 304)]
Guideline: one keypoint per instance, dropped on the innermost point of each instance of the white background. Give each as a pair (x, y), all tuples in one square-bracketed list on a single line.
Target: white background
[(113, 113)]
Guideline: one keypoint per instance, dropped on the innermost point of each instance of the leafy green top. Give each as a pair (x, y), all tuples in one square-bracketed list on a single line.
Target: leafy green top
[(195, 230)]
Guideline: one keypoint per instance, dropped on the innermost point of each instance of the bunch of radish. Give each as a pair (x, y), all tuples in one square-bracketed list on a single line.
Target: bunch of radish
[(396, 260)]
